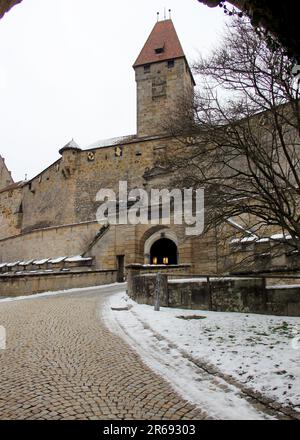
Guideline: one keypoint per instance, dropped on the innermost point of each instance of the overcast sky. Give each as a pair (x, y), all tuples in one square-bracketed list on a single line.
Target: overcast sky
[(66, 70)]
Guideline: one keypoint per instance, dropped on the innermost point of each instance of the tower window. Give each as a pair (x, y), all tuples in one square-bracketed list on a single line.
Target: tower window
[(147, 68), (159, 50), (170, 64)]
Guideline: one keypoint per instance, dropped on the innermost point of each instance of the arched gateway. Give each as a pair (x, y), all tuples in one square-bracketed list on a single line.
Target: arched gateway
[(163, 251), (161, 247)]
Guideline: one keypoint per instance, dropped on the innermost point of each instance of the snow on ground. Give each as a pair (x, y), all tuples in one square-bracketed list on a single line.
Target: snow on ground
[(256, 350)]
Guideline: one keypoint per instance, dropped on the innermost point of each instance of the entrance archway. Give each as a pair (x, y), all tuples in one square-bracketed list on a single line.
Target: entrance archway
[(163, 251)]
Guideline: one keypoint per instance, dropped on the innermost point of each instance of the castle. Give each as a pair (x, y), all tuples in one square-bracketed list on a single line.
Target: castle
[(53, 215), (48, 224)]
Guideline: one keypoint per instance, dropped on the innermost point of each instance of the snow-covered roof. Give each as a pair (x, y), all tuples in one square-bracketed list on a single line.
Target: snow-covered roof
[(280, 237), (12, 264), (240, 227), (39, 262), (77, 258), (204, 280), (256, 239), (57, 260), (112, 141), (249, 239), (25, 263), (72, 145)]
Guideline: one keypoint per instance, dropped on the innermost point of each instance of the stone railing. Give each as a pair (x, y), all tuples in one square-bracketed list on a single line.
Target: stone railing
[(220, 294), (28, 284), (47, 265)]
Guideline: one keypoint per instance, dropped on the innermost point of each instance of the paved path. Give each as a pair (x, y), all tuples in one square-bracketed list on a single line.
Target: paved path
[(61, 362)]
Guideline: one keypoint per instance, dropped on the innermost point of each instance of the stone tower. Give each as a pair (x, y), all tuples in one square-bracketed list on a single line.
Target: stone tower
[(163, 78), (5, 175)]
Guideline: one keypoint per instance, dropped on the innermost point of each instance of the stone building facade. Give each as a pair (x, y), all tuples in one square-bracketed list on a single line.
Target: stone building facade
[(54, 214)]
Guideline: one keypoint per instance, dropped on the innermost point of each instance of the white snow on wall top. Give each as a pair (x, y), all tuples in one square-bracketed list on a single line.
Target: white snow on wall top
[(112, 141)]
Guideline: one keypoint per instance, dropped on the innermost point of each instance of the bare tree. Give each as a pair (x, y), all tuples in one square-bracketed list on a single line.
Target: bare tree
[(241, 139)]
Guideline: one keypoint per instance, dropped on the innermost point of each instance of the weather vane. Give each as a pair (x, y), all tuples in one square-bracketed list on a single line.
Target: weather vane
[(165, 14)]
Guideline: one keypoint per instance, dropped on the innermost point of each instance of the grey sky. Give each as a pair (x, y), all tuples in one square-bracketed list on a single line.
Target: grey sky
[(65, 70)]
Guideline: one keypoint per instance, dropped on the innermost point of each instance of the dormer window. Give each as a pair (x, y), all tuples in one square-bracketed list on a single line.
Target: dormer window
[(147, 68), (159, 49)]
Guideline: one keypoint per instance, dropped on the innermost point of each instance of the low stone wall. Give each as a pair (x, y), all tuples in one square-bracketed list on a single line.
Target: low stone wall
[(283, 301), (243, 295), (22, 285), (239, 295), (142, 289), (134, 270)]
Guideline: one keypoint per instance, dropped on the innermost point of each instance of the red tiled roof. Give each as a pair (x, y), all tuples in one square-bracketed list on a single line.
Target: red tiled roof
[(163, 36)]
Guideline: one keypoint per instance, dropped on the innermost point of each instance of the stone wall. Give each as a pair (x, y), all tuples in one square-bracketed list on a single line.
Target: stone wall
[(143, 288), (48, 243), (5, 175), (18, 285), (48, 199), (283, 301), (223, 295), (11, 212), (141, 278), (65, 193)]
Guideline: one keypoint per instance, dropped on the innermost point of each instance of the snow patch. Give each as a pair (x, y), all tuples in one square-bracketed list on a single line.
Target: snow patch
[(256, 350)]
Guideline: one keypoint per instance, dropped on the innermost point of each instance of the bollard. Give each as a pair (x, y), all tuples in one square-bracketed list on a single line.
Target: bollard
[(157, 292), (2, 338)]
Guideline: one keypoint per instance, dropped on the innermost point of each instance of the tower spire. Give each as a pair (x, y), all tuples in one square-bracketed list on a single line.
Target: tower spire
[(164, 36), (163, 76)]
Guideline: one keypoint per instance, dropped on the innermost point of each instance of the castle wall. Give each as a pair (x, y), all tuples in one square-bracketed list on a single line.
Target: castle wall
[(48, 198), (18, 285), (5, 175), (10, 212), (66, 192), (54, 214), (121, 240), (106, 170), (48, 243)]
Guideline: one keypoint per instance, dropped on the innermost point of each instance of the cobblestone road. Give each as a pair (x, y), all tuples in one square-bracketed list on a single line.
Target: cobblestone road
[(61, 362)]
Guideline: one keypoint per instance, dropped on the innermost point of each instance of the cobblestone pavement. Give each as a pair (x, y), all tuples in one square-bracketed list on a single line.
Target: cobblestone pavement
[(61, 362)]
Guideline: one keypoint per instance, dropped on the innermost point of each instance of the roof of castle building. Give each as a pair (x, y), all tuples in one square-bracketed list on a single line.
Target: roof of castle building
[(112, 141), (72, 145), (122, 140), (163, 44), (13, 186)]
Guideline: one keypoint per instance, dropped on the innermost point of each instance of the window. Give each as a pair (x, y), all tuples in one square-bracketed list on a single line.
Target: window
[(147, 68), (159, 50), (170, 64)]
